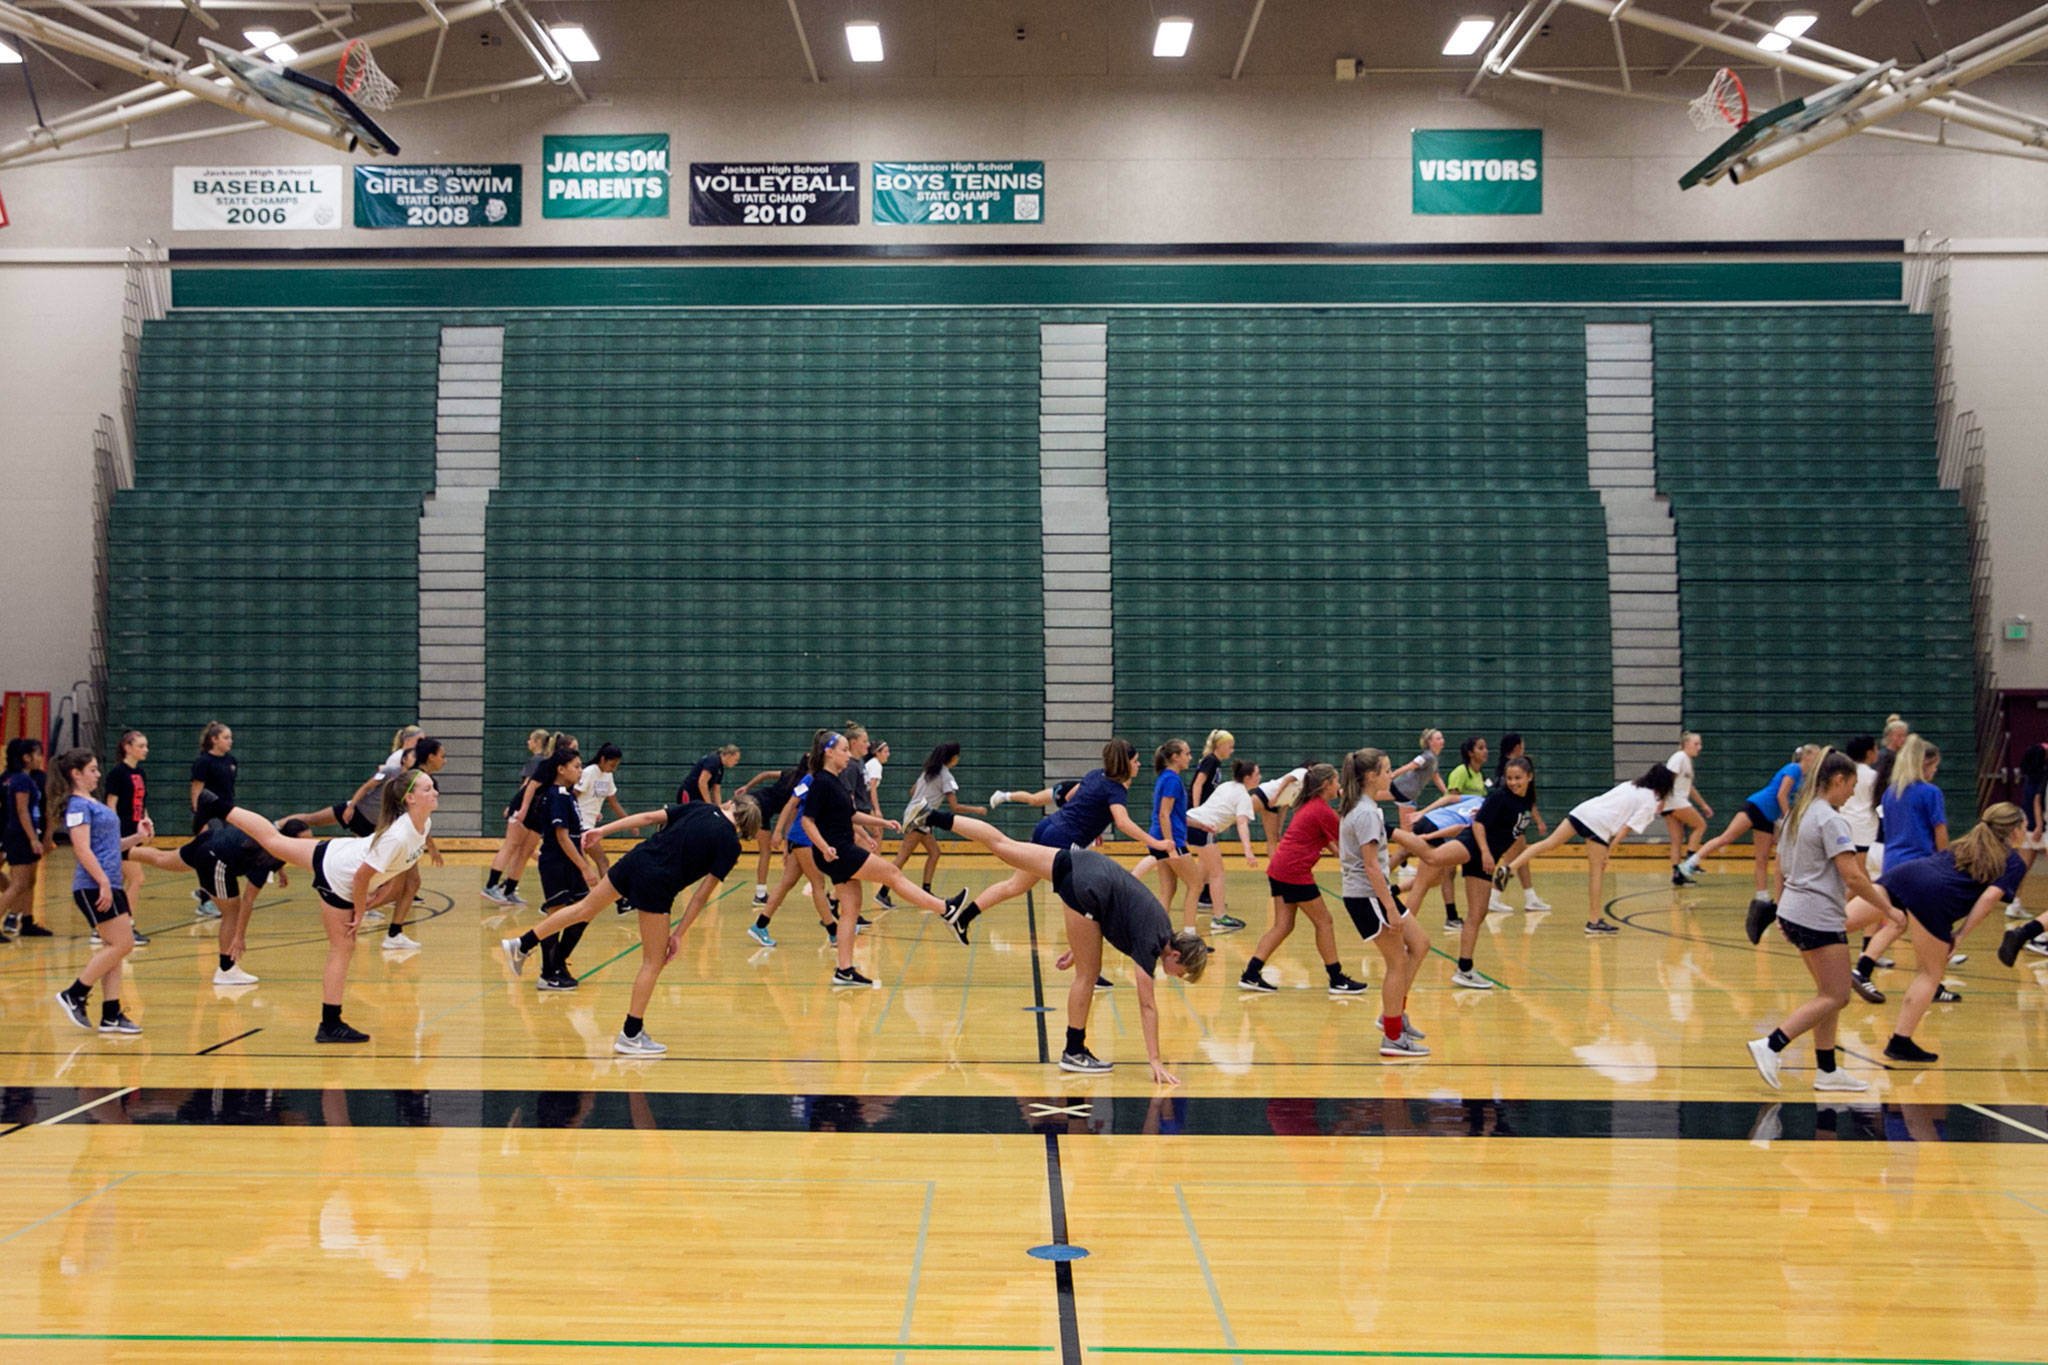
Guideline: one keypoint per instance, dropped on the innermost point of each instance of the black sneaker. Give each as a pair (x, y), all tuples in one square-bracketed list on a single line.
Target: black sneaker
[(1248, 982), (1103, 983), (1861, 984), (211, 806), (1906, 1050), (954, 905), (1944, 996), (74, 1010), (141, 939), (1344, 985), (882, 899), (1679, 877), (831, 933), (339, 1032), (120, 1024), (1454, 921), (556, 981), (1085, 1062), (1203, 902), (860, 923), (1500, 876), (9, 927), (850, 979), (1596, 927), (31, 929), (2009, 946), (1762, 911)]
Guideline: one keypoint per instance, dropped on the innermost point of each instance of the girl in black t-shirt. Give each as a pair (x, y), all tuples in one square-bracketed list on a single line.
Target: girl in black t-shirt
[(1511, 747), (215, 770), (127, 793), (522, 839)]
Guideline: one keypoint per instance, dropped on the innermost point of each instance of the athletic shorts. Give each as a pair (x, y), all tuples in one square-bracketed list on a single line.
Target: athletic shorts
[(1198, 837), (94, 916), (1370, 916), (641, 880), (561, 884), (1259, 799), (512, 806), (1758, 820), (358, 824), (326, 893), (1041, 834), (18, 852), (215, 879), (2027, 798), (1427, 825), (839, 871), (1806, 940), (537, 813), (1293, 893), (1473, 867), (1586, 831), (1933, 924)]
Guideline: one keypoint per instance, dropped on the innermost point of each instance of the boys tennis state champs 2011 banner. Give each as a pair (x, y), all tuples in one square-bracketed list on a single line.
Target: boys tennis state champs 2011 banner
[(1477, 170), (437, 196), (611, 175), (959, 191)]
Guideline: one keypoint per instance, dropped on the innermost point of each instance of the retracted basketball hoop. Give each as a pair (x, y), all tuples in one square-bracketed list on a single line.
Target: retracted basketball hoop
[(1723, 102), (360, 78)]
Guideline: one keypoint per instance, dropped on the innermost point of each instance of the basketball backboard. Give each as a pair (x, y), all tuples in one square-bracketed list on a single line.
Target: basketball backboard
[(304, 94), (1787, 119)]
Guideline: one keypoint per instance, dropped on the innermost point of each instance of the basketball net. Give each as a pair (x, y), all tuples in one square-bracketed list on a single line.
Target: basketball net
[(1725, 103), (362, 80)]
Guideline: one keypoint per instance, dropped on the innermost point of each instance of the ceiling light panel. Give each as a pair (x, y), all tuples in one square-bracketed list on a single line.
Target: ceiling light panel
[(1467, 36), (864, 42), (573, 42), (1172, 38)]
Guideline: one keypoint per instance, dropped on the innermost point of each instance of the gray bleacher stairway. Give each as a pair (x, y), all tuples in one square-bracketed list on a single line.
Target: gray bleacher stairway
[(1073, 376), (466, 435), (1642, 545)]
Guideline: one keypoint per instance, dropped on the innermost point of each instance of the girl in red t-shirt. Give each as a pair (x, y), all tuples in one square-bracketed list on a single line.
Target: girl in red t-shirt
[(1291, 876)]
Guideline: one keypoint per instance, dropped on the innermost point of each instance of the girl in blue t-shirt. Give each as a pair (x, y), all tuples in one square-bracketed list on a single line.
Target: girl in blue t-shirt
[(1915, 818), (799, 863), (95, 834), (1170, 806), (1759, 818), (23, 839)]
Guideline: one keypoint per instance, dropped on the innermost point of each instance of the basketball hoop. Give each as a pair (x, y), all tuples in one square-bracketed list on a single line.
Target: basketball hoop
[(362, 80), (1725, 102)]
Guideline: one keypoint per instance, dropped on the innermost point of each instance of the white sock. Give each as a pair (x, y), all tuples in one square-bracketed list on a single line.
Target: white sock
[(760, 888)]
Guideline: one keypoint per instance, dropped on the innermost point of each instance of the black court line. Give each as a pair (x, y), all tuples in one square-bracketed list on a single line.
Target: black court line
[(1036, 1115), (1037, 979), (1062, 1271), (225, 1041)]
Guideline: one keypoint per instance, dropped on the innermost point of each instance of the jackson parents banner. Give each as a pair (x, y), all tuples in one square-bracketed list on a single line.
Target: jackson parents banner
[(437, 196), (270, 198), (1478, 170), (775, 194), (959, 191), (613, 175)]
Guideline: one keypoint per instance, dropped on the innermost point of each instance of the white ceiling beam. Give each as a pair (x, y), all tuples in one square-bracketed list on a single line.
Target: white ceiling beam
[(1251, 27), (803, 41)]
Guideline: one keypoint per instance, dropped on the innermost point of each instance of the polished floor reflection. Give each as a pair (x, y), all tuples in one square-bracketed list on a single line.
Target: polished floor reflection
[(812, 1175)]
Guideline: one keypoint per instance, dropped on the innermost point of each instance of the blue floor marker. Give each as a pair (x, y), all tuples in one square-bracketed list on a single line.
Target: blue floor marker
[(1058, 1251)]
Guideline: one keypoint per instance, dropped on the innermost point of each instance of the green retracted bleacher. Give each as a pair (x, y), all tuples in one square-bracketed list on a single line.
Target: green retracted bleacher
[(263, 569), (1823, 575), (1334, 528)]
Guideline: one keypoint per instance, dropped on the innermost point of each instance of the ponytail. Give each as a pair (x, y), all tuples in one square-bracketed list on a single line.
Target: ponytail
[(1119, 760), (1910, 765), (1166, 753), (60, 786), (1833, 764), (1215, 738), (1312, 784), (1359, 767), (1981, 854)]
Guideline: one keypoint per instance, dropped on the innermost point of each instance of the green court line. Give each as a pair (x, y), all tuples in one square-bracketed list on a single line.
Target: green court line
[(1310, 1353), (550, 1342)]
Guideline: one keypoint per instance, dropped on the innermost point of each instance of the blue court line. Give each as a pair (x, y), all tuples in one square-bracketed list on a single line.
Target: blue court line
[(2028, 1202), (20, 1232), (924, 923), (924, 1227), (1208, 1276)]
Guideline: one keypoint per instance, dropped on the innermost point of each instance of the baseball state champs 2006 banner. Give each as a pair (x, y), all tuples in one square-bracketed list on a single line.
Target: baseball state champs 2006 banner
[(437, 196), (959, 191), (269, 198), (775, 193), (612, 175)]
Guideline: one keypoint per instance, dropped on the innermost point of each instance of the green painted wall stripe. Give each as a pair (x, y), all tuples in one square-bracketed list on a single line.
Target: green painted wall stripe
[(1643, 282)]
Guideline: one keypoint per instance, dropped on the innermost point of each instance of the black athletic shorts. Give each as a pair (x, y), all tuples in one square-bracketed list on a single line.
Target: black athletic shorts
[(18, 852), (839, 871), (1259, 798), (561, 884), (1473, 867), (1758, 820), (1198, 837), (1806, 940), (358, 824), (642, 881), (1933, 924), (1293, 893), (214, 877), (1586, 831), (1370, 916), (94, 916), (327, 894)]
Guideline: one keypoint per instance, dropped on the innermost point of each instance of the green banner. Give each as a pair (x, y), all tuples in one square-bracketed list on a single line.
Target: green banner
[(615, 175), (1472, 170), (959, 192), (437, 196)]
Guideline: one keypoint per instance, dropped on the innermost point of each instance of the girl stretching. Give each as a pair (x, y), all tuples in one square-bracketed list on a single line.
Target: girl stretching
[(1685, 824), (1511, 748), (1170, 822), (1102, 902), (1493, 836), (1817, 856), (935, 786), (95, 833), (232, 869), (1759, 816), (1381, 918), (1228, 804), (1291, 876), (503, 886), (1412, 777), (1625, 809)]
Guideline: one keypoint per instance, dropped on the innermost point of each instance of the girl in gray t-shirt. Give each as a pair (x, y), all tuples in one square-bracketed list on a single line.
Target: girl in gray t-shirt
[(1818, 859), (1412, 777), (1365, 780)]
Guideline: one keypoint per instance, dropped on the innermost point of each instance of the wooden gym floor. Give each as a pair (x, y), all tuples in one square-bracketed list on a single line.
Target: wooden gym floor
[(1587, 1168)]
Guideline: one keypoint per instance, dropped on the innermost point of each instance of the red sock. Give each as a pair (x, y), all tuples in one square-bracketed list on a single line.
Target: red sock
[(1392, 1024)]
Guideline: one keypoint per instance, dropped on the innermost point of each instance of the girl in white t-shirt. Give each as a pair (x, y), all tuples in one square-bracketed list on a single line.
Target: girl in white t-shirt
[(1625, 809), (1687, 826), (935, 787), (1230, 803), (597, 788), (350, 876)]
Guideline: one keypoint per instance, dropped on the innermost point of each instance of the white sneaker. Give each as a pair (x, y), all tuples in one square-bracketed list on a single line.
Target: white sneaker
[(2038, 945), (1837, 1079), (1498, 904), (1532, 901), (1958, 959), (2013, 911), (399, 942), (641, 1044), (1471, 981), (234, 976), (374, 917), (207, 910), (997, 798), (1766, 1061), (1404, 1048)]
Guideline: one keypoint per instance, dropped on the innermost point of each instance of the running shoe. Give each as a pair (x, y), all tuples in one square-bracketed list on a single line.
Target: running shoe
[(9, 927), (234, 976), (1762, 910), (641, 1044), (1497, 904), (1906, 1050), (956, 903), (374, 917), (1223, 924), (1248, 982), (760, 895), (399, 942), (882, 899), (1838, 1079), (1532, 901), (2038, 946), (495, 895), (1453, 923), (514, 898), (141, 939), (1084, 1062), (1402, 1049), (1679, 877), (1471, 981), (31, 929), (340, 1033), (759, 935), (1345, 985), (2009, 947), (1205, 902), (1691, 866), (1861, 984), (1958, 959), (74, 1010), (207, 910), (120, 1024), (514, 954), (1944, 994), (1103, 983), (850, 979), (1501, 874), (1596, 928), (915, 820), (1409, 1030), (996, 799), (1766, 1062), (563, 980)]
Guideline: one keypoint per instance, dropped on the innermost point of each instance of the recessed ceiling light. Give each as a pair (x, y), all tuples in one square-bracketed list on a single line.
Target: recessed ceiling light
[(574, 43), (1467, 36), (1172, 38), (8, 56), (1785, 30), (266, 41), (864, 41)]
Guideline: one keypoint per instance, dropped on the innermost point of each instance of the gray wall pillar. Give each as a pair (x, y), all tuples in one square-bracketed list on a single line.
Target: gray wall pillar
[(1080, 673), (467, 423)]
